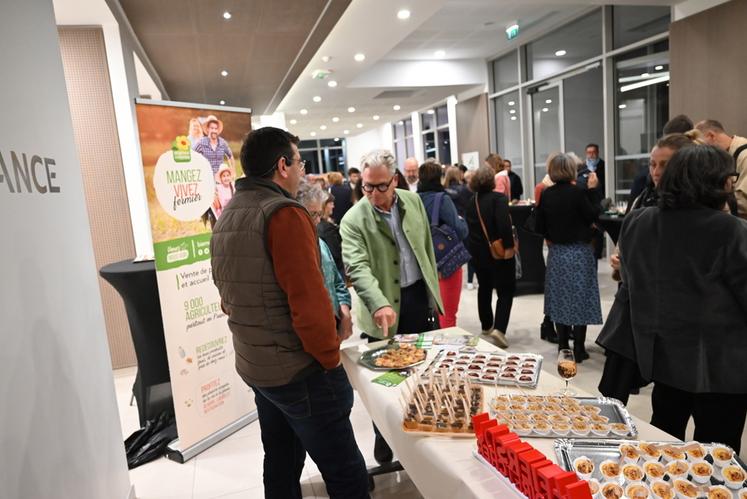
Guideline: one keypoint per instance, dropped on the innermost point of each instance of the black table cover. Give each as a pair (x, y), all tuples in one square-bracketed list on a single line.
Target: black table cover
[(530, 249), (611, 225)]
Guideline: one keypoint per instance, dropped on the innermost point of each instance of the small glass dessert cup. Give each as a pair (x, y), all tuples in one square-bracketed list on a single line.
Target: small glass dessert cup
[(610, 469), (701, 471), (632, 472), (734, 476), (611, 490), (662, 490), (584, 467), (677, 469), (637, 490), (685, 489), (654, 470), (722, 456), (629, 453)]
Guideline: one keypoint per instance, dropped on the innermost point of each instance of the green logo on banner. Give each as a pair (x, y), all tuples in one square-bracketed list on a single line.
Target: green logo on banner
[(182, 149), (183, 251)]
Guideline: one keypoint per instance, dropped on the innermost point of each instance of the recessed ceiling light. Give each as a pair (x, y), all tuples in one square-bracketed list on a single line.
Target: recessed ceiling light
[(226, 15), (337, 139), (560, 53), (440, 53), (512, 111), (359, 57), (396, 107), (222, 102), (346, 132), (326, 58), (317, 99), (622, 106), (645, 75), (513, 118), (331, 83), (293, 122), (304, 111), (335, 119), (548, 101), (359, 125), (351, 109), (400, 122), (322, 127), (313, 134), (545, 109), (659, 68), (403, 14), (376, 117), (511, 103), (431, 111), (224, 73)]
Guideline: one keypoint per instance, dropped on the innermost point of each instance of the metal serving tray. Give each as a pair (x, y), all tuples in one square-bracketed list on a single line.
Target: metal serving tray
[(450, 362), (569, 449), (368, 359)]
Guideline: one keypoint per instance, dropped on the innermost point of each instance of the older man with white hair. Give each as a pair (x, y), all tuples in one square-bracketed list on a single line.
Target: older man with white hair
[(388, 254)]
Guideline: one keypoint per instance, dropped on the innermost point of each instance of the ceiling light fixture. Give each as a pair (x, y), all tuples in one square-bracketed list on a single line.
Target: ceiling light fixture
[(431, 111), (335, 119), (346, 132), (317, 99), (359, 125), (227, 15), (548, 101), (222, 102), (359, 57), (513, 118), (659, 68), (645, 75), (322, 127), (400, 122), (331, 83), (511, 103), (326, 58), (440, 53), (304, 111), (313, 134), (644, 83), (337, 139), (351, 109), (376, 117), (560, 53), (396, 107), (545, 109), (293, 122), (622, 106), (403, 14), (224, 73), (512, 111)]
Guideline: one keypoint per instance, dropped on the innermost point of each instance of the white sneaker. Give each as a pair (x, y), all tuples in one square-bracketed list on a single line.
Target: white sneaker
[(470, 286)]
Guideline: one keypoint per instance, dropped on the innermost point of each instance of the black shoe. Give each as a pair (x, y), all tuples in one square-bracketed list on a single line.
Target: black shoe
[(547, 332), (382, 452), (580, 353)]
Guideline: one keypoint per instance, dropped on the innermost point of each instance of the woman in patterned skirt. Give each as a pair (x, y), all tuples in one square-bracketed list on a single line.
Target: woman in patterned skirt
[(565, 217)]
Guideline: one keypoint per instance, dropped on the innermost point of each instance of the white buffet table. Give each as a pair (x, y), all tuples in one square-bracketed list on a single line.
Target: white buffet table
[(442, 466)]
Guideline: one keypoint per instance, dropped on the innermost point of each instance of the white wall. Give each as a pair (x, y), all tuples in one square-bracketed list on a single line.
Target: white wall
[(359, 145), (60, 434)]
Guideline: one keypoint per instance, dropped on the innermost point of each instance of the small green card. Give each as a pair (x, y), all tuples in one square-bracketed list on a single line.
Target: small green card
[(389, 378)]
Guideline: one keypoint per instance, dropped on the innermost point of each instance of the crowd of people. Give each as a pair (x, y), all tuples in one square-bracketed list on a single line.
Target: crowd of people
[(400, 239)]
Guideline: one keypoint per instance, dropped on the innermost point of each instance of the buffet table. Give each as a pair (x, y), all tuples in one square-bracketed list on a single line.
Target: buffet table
[(441, 466)]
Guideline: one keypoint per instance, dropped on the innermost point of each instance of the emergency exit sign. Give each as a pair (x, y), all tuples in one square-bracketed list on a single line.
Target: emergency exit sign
[(512, 31)]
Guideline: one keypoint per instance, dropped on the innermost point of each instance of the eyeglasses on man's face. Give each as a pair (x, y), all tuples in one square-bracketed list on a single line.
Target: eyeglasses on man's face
[(383, 187), (301, 162)]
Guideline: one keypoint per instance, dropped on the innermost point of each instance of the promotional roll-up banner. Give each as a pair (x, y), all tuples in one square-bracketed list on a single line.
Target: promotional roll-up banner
[(191, 161)]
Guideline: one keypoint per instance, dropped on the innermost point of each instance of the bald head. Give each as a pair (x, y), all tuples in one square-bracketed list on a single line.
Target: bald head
[(411, 170)]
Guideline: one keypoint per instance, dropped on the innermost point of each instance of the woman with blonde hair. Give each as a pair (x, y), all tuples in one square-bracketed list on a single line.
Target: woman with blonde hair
[(502, 180), (194, 132), (335, 178)]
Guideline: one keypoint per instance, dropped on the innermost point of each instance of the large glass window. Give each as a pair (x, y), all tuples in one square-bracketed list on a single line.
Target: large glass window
[(583, 111), (506, 71), (566, 46), (325, 155), (641, 110), (435, 130), (404, 144), (508, 130), (546, 127), (633, 23)]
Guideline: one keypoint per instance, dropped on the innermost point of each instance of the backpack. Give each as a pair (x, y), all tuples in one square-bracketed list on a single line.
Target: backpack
[(449, 249)]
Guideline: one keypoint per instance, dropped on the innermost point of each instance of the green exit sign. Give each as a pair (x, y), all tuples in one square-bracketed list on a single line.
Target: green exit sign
[(512, 31)]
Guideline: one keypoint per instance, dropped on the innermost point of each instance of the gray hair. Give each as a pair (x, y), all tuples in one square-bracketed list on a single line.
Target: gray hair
[(379, 157), (310, 193)]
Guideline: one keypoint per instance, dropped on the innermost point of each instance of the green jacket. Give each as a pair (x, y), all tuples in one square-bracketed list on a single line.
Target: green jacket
[(370, 256)]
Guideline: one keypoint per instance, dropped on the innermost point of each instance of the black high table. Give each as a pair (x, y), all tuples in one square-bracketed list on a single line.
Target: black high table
[(611, 224), (136, 284), (530, 250)]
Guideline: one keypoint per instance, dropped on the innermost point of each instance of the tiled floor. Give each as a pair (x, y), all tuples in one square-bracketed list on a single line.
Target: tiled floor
[(233, 468)]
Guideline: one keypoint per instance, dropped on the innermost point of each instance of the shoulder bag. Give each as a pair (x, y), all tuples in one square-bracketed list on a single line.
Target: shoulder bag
[(497, 251), (449, 249)]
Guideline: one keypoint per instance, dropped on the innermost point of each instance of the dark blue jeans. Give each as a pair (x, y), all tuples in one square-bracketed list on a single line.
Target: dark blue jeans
[(312, 415)]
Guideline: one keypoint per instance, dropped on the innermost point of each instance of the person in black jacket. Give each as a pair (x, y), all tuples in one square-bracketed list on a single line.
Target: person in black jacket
[(593, 164), (685, 264), (342, 194), (491, 273), (565, 216), (517, 189), (329, 232)]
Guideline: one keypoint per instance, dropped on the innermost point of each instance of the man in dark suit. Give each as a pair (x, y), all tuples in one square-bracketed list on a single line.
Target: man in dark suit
[(594, 164)]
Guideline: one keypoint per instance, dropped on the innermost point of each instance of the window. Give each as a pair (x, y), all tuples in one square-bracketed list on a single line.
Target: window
[(583, 111), (505, 71), (508, 129), (325, 155), (546, 126), (404, 144), (435, 130), (633, 23), (641, 110), (573, 43)]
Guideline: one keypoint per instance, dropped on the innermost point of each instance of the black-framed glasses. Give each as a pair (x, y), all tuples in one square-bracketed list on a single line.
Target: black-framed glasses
[(379, 187)]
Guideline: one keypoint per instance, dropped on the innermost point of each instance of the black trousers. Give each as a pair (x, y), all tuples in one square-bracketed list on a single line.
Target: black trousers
[(498, 275), (719, 417)]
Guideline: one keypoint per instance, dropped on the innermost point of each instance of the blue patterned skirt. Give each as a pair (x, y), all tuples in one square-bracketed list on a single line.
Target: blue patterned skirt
[(571, 285)]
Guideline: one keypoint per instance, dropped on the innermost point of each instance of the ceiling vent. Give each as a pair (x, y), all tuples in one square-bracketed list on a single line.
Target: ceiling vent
[(396, 94)]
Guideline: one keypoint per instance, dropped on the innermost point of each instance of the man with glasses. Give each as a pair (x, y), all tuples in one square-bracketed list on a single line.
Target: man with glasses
[(266, 265), (388, 254)]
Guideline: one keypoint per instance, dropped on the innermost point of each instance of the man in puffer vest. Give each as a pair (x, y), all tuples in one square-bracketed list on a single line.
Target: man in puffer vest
[(266, 265)]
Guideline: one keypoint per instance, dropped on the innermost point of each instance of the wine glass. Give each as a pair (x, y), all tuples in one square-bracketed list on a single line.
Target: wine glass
[(566, 369)]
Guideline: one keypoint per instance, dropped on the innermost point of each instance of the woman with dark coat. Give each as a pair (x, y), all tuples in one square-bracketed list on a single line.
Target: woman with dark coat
[(491, 273), (685, 263), (565, 217)]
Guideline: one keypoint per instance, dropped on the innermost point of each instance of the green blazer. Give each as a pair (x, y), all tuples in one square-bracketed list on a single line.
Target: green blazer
[(370, 256)]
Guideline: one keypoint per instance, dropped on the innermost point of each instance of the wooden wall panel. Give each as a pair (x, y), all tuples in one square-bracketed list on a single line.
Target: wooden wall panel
[(472, 127), (97, 141), (708, 65)]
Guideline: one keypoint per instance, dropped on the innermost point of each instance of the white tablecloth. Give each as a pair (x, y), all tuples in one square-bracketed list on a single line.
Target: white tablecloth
[(443, 466)]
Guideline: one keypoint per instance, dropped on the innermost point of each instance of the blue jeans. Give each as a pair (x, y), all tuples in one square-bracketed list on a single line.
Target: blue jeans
[(312, 415)]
